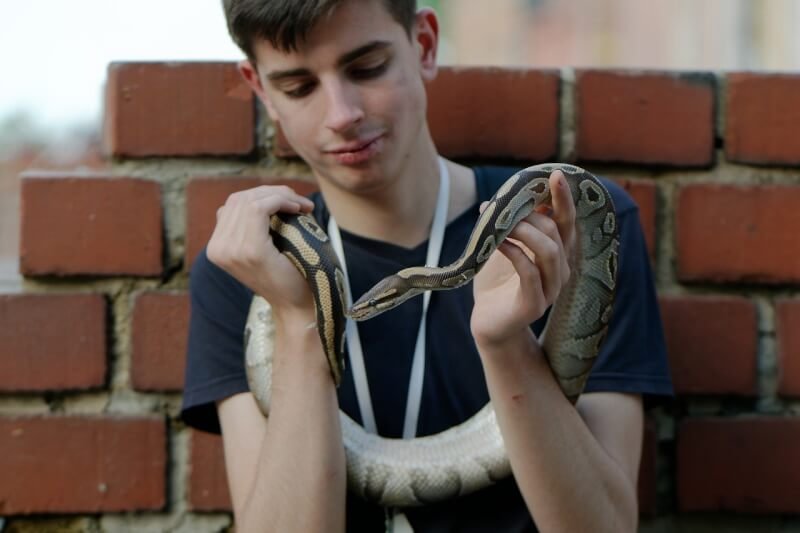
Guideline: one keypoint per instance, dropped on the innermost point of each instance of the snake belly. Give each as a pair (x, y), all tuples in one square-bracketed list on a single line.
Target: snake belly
[(471, 455)]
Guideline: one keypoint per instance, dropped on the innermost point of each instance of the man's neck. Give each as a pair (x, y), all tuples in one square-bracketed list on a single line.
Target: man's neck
[(400, 212)]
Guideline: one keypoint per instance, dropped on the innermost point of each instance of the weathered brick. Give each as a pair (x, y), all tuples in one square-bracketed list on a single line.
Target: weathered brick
[(495, 112), (160, 326), (653, 118), (90, 224), (644, 194), (762, 118), (488, 112), (205, 195), (647, 487), (712, 344), (82, 464), (788, 333), (208, 482), (52, 341), (746, 465), (178, 109), (738, 233)]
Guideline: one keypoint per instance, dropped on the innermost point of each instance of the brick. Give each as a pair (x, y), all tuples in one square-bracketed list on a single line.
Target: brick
[(488, 112), (652, 118), (762, 118), (644, 194), (495, 112), (745, 465), (52, 342), (205, 195), (160, 327), (647, 486), (711, 343), (208, 482), (178, 109), (90, 224), (735, 233), (788, 334), (64, 464)]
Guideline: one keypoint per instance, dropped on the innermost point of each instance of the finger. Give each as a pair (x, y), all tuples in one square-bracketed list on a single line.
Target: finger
[(269, 205), (548, 253), (482, 207), (530, 276), (563, 206), (522, 247), (245, 226), (549, 227), (286, 192), (290, 193), (258, 193), (546, 225)]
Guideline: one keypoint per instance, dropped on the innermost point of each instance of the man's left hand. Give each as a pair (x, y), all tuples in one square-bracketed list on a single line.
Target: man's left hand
[(518, 284)]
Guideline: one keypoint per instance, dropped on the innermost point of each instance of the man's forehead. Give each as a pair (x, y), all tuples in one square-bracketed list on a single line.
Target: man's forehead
[(275, 71), (340, 53)]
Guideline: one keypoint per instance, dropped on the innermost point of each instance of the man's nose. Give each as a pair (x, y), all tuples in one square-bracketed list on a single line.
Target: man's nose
[(344, 107)]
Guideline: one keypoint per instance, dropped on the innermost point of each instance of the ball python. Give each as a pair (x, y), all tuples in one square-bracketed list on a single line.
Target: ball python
[(471, 455)]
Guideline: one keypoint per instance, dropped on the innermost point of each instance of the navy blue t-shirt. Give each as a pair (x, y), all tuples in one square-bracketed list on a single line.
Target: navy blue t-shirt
[(633, 358)]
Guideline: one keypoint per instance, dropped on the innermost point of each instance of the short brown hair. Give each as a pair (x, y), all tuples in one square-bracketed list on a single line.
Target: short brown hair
[(286, 23)]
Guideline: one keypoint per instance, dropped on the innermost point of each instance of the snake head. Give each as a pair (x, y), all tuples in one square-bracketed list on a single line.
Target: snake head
[(387, 294)]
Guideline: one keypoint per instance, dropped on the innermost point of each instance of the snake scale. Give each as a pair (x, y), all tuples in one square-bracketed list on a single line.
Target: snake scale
[(469, 456)]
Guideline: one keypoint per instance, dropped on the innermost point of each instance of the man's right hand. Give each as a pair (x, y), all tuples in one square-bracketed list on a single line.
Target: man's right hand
[(241, 245), (271, 472)]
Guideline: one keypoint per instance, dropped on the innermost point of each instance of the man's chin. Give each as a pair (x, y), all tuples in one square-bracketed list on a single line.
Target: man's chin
[(361, 180)]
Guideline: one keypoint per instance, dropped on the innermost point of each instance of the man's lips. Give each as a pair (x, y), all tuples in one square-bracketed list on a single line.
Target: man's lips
[(353, 146), (358, 151)]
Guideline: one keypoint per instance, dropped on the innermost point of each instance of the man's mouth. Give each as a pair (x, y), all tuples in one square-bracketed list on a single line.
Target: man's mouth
[(356, 152)]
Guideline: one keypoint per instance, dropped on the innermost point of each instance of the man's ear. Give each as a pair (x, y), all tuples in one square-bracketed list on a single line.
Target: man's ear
[(426, 37), (250, 75)]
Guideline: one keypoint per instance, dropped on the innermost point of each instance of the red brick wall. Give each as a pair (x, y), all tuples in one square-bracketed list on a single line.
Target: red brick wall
[(92, 352)]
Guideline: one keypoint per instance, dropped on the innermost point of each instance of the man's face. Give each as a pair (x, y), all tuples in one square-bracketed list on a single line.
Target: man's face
[(351, 99)]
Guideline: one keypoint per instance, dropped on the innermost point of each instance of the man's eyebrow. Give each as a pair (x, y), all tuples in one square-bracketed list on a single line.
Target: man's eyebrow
[(363, 50), (345, 59), (284, 74)]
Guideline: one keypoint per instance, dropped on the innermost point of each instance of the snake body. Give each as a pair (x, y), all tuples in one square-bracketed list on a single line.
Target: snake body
[(471, 455)]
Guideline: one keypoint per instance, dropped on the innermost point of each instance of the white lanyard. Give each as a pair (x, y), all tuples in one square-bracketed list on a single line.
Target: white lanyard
[(351, 331)]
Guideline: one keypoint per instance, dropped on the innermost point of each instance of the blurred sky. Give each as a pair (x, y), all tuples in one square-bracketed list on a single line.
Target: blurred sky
[(54, 53)]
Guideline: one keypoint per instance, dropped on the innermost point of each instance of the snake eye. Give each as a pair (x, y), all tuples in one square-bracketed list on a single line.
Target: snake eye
[(378, 300)]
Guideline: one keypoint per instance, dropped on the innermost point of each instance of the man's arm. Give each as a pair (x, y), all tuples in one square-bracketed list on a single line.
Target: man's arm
[(576, 468), (287, 473)]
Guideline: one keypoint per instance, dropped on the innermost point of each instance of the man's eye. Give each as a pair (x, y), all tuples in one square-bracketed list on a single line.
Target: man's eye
[(299, 91), (369, 72)]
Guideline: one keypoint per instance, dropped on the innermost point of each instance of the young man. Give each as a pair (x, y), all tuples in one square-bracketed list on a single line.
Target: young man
[(345, 80)]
